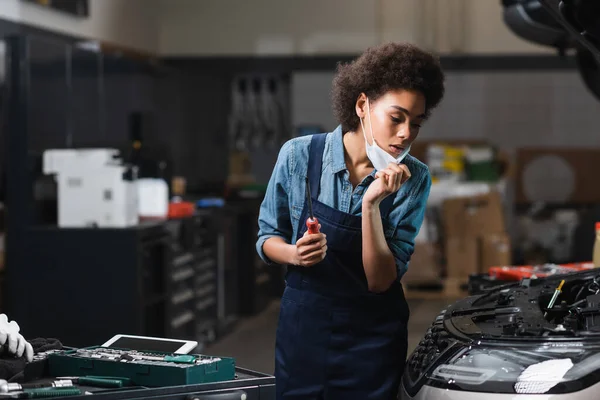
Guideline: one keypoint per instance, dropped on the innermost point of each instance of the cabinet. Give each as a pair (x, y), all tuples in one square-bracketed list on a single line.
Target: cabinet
[(258, 283), (192, 279), (254, 280), (83, 286)]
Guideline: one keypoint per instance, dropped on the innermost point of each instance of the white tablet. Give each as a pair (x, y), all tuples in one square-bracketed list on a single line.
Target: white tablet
[(147, 343)]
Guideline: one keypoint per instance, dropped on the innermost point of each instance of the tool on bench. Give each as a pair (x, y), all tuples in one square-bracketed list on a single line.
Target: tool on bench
[(311, 223), (178, 359), (134, 355), (44, 355), (96, 381), (42, 393), (6, 387)]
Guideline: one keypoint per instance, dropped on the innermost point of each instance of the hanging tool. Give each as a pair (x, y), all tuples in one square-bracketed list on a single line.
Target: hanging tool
[(269, 112), (311, 223), (259, 128), (555, 296), (274, 112), (238, 117)]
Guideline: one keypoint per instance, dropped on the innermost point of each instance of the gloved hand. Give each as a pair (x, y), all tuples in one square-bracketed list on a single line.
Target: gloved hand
[(12, 341)]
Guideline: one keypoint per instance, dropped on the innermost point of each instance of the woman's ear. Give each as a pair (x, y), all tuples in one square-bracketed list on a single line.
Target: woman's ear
[(361, 105)]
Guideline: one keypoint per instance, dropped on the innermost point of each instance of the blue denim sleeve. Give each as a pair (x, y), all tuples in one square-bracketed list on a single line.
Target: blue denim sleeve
[(402, 243), (274, 215)]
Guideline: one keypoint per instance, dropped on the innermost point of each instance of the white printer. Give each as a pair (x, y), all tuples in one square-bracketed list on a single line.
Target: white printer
[(93, 188)]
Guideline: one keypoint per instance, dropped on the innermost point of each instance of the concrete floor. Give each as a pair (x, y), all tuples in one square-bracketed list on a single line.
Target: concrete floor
[(252, 342)]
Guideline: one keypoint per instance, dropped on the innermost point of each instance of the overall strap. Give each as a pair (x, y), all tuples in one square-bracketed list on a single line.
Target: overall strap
[(315, 162)]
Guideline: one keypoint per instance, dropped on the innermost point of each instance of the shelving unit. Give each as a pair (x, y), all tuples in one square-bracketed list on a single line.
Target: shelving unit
[(156, 279)]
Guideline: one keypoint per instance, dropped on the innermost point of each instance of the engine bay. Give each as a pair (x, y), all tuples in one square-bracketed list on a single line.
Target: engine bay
[(527, 309), (486, 342)]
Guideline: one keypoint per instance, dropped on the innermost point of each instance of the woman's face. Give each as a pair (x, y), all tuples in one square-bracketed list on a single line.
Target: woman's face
[(395, 118)]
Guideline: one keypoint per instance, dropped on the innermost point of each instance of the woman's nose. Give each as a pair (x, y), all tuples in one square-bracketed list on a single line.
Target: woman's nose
[(403, 132)]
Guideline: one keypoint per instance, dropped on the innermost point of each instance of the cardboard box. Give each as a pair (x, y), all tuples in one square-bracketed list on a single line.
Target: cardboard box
[(473, 216), (474, 255), (424, 266), (462, 256), (240, 169), (495, 251)]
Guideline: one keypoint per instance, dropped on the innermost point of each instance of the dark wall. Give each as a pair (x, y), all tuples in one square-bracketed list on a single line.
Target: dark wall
[(80, 98), (86, 100), (83, 98), (192, 109)]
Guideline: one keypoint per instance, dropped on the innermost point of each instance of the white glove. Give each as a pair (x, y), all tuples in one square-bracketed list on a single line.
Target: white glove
[(12, 340)]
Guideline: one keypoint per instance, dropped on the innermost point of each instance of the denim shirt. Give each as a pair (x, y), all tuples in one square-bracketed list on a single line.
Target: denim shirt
[(286, 193)]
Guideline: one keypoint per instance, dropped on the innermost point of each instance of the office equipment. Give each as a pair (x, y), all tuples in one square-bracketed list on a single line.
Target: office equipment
[(95, 189), (151, 344)]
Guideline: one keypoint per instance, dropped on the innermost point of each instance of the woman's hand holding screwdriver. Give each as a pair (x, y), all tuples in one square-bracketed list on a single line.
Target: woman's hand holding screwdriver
[(310, 249)]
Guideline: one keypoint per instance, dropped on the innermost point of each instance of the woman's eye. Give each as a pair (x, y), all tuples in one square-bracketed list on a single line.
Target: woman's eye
[(396, 120), (416, 126)]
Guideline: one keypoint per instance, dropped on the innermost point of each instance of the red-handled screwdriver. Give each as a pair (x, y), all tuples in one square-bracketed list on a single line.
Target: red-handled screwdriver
[(311, 223)]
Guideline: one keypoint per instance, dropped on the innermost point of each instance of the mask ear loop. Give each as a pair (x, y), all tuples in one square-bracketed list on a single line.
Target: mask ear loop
[(363, 129), (370, 126), (370, 122), (362, 125)]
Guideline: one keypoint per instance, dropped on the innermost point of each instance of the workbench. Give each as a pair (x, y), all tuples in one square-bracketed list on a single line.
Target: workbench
[(248, 385)]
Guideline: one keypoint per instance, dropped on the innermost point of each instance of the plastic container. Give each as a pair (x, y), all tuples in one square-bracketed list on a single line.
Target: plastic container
[(181, 209), (597, 246), (153, 198)]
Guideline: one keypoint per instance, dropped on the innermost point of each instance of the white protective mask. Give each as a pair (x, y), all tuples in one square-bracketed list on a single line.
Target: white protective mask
[(378, 156)]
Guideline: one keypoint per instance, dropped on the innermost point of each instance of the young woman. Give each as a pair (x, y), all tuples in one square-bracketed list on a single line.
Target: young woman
[(342, 330)]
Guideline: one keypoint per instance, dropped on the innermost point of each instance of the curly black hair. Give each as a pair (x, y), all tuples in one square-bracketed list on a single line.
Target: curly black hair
[(383, 68)]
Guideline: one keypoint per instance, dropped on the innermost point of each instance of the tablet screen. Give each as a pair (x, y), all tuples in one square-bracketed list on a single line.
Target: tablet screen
[(147, 344)]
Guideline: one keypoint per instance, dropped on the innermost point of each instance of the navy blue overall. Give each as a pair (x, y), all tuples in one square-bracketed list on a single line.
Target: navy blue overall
[(335, 338)]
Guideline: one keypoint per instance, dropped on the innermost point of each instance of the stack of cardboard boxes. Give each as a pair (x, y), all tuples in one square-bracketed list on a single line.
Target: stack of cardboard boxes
[(474, 235), (465, 223), (424, 270)]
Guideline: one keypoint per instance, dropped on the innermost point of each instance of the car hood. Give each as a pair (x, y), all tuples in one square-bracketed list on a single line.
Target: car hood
[(521, 310), (515, 339), (580, 18)]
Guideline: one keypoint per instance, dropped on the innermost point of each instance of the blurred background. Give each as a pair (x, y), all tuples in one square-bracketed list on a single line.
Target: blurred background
[(139, 136)]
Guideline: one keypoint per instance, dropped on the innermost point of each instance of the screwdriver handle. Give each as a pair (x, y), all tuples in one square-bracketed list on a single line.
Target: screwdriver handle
[(101, 382), (313, 225), (182, 359)]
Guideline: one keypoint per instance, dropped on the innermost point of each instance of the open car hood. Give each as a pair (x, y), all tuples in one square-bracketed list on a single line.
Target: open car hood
[(521, 310), (562, 24), (580, 18), (508, 340)]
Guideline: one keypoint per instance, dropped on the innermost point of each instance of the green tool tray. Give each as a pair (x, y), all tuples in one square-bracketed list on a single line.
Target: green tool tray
[(214, 369)]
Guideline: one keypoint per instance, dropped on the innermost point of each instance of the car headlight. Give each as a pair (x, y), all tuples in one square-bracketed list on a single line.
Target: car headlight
[(437, 345), (552, 368)]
